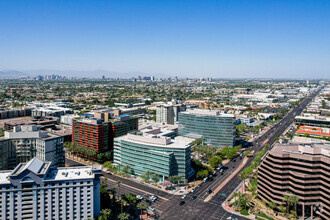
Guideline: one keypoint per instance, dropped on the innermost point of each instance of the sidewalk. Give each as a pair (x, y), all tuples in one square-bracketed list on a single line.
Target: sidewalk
[(228, 179), (88, 163)]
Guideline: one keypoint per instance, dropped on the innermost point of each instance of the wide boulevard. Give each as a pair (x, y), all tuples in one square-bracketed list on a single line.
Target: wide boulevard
[(168, 207)]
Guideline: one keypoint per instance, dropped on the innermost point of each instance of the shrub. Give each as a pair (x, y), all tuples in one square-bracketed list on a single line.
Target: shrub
[(244, 212)]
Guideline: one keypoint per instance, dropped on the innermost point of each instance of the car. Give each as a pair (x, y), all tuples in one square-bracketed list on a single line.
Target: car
[(234, 160), (209, 191), (181, 203), (193, 197), (214, 173), (152, 198), (210, 176), (205, 179), (139, 197), (184, 196), (193, 190), (151, 208)]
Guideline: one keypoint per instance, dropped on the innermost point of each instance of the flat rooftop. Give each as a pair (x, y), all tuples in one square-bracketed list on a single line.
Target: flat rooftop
[(206, 112), (156, 138), (72, 173), (312, 149)]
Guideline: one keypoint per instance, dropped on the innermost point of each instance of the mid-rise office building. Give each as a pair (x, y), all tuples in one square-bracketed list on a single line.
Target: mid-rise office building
[(26, 142), (35, 190), (216, 128), (299, 169), (151, 149)]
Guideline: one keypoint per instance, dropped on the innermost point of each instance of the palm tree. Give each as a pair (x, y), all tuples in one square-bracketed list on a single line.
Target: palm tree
[(243, 176), (288, 200), (155, 177), (141, 206), (123, 216), (295, 201), (113, 191), (106, 213), (148, 175), (123, 202), (118, 184)]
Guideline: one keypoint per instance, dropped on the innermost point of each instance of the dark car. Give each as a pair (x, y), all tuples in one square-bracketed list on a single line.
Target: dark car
[(210, 191), (234, 160), (181, 203), (194, 197)]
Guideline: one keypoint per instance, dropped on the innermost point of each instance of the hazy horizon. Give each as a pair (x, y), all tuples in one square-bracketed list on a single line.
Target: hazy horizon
[(219, 39)]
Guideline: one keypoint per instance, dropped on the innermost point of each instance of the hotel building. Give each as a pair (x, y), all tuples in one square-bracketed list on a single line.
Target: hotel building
[(34, 190)]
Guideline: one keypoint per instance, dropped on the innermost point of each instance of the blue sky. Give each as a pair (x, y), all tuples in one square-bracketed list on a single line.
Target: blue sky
[(223, 38)]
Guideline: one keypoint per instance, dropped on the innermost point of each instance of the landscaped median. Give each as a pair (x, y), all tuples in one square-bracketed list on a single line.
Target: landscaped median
[(227, 180)]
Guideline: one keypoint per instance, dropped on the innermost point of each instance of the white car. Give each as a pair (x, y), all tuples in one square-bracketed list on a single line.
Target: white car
[(139, 197), (193, 190), (151, 208), (184, 196)]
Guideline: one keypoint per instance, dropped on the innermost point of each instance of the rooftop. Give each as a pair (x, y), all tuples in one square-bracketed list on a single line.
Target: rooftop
[(40, 167), (156, 137), (312, 149), (207, 112)]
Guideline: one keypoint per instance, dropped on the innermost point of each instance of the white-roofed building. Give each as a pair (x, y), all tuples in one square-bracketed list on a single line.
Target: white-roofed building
[(35, 190)]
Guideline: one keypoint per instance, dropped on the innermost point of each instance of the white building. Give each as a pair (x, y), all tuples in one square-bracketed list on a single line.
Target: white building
[(67, 119), (34, 190), (168, 113), (26, 142)]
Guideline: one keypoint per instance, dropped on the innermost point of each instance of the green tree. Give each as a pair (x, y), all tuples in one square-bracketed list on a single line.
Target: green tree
[(129, 198), (289, 200), (247, 153), (202, 174), (243, 176), (272, 205), (141, 206), (106, 214), (123, 203), (123, 216), (155, 177), (118, 185), (215, 161), (281, 208)]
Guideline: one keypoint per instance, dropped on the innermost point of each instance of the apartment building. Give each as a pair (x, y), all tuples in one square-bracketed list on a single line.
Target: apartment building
[(168, 113), (26, 142), (299, 169), (35, 190), (92, 133), (151, 149), (215, 127)]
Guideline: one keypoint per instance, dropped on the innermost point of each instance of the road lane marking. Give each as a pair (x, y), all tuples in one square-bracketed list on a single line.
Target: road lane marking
[(137, 189)]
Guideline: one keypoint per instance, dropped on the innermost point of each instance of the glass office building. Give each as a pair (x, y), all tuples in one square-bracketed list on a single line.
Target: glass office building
[(151, 150), (216, 128)]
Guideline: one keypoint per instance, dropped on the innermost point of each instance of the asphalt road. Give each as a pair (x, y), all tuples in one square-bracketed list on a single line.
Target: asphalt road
[(167, 206), (198, 209)]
